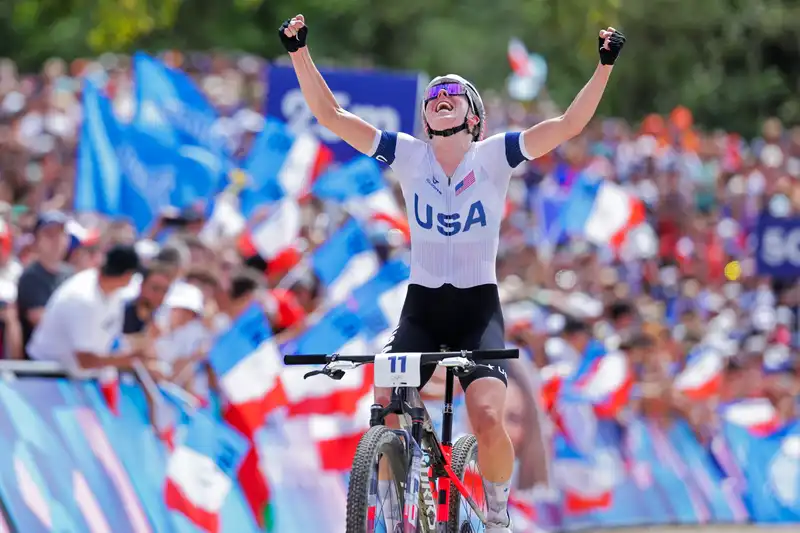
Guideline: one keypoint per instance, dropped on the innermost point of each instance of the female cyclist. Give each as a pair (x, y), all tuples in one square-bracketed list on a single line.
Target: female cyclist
[(454, 184)]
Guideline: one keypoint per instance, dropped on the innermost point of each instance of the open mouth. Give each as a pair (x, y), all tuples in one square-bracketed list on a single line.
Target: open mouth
[(443, 106)]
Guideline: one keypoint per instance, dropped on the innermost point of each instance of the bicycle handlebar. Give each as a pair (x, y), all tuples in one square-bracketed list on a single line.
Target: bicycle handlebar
[(426, 358)]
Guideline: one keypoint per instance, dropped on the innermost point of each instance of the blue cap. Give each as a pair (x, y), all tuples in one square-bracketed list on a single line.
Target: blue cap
[(51, 217)]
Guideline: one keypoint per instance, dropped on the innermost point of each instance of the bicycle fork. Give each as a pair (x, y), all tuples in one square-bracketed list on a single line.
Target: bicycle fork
[(411, 507)]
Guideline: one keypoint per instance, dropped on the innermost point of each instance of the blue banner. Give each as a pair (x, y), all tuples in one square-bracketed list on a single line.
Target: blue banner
[(69, 465), (387, 100), (778, 249)]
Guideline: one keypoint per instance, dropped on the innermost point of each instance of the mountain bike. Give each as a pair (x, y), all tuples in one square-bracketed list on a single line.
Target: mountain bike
[(415, 463)]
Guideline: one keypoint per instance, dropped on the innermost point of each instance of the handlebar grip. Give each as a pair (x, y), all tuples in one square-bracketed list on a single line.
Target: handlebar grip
[(308, 359), (510, 353)]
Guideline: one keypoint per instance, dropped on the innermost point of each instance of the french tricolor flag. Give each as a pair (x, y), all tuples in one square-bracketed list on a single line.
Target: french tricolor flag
[(359, 186), (605, 382), (281, 164), (345, 261), (602, 211), (552, 378), (79, 235), (248, 365), (109, 387), (279, 231), (328, 397), (757, 415), (108, 380), (702, 377), (306, 160), (337, 436), (587, 482), (202, 469)]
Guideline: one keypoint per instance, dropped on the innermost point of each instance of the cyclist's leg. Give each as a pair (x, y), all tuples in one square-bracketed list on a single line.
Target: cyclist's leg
[(485, 394), (407, 337)]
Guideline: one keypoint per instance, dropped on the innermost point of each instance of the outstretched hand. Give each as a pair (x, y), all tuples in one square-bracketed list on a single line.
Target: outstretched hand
[(293, 33), (610, 42)]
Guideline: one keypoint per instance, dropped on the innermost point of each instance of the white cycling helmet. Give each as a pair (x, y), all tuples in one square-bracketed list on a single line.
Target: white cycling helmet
[(475, 102)]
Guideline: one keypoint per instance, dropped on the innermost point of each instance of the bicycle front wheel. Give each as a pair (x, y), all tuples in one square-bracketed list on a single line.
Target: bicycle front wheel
[(375, 502)]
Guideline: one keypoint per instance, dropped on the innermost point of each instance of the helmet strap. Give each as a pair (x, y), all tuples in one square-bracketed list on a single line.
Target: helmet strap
[(446, 133), (449, 131)]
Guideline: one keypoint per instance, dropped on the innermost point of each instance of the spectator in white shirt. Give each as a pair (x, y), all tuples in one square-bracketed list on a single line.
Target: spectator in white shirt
[(83, 319)]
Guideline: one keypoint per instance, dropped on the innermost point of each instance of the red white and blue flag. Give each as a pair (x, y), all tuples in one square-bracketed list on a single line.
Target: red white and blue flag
[(202, 469), (757, 415), (701, 379), (604, 379), (248, 365), (359, 186)]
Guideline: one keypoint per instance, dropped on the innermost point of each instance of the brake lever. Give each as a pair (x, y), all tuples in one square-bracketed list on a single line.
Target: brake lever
[(334, 370)]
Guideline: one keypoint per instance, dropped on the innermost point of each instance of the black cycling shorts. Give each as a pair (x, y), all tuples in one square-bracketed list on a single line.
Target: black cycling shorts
[(452, 319)]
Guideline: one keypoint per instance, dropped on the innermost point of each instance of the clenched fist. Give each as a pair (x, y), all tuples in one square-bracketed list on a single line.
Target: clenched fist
[(293, 33), (611, 42)]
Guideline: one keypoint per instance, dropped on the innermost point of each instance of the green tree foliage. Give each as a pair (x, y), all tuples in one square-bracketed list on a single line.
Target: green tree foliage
[(732, 61)]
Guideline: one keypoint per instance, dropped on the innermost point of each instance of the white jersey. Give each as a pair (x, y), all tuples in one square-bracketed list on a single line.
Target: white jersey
[(454, 222)]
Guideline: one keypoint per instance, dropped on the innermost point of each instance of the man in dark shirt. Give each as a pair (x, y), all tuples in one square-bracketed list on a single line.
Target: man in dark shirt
[(41, 278), (156, 280)]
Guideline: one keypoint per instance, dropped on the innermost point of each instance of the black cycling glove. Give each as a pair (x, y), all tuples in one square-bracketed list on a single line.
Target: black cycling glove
[(615, 44), (292, 44)]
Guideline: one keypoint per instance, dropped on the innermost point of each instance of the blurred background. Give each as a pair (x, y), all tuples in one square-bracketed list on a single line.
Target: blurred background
[(648, 268)]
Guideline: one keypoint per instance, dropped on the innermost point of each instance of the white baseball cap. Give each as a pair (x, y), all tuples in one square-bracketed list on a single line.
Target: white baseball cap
[(183, 295)]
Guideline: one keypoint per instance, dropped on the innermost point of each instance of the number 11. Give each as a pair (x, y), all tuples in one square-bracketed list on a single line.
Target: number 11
[(393, 361)]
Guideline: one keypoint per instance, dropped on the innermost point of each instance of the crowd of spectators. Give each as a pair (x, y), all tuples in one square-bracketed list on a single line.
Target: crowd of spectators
[(703, 192)]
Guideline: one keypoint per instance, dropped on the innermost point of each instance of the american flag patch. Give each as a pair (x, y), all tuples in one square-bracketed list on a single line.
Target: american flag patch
[(462, 185)]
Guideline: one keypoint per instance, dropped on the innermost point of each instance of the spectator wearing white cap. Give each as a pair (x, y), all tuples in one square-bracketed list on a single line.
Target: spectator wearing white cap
[(184, 338)]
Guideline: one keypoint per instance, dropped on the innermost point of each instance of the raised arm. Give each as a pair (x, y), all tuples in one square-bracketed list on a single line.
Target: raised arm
[(545, 136), (353, 130)]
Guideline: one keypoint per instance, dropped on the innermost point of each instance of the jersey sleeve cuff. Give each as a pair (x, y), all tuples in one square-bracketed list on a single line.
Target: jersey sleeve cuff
[(384, 147), (515, 149)]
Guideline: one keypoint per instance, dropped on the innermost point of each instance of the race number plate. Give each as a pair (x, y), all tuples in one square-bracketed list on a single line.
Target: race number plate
[(397, 370)]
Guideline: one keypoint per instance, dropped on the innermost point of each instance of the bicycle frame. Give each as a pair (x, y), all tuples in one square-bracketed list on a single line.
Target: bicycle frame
[(417, 430)]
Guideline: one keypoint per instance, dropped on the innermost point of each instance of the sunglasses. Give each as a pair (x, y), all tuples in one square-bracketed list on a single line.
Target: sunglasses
[(451, 88)]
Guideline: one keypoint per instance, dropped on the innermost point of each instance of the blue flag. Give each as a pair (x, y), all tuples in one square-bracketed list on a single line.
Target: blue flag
[(263, 165), (330, 259), (172, 108), (98, 178), (339, 325), (125, 171), (368, 295), (359, 177)]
